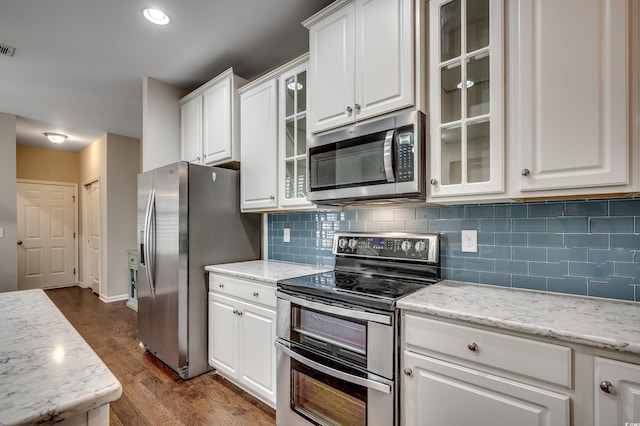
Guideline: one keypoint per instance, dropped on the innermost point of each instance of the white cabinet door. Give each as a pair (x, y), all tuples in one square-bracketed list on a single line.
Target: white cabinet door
[(384, 58), (617, 392), (259, 139), (293, 108), (332, 70), (361, 62), (438, 393), (191, 130), (223, 334), (466, 98), (258, 355), (217, 125), (572, 108)]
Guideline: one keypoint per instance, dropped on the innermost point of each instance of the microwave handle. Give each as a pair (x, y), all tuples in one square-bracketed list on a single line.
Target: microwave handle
[(371, 384), (388, 156)]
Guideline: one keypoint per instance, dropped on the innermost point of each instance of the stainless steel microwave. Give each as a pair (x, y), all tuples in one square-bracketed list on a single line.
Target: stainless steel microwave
[(381, 159)]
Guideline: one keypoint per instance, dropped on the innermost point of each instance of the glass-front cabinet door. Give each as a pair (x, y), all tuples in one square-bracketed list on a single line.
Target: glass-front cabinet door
[(292, 123), (466, 98)]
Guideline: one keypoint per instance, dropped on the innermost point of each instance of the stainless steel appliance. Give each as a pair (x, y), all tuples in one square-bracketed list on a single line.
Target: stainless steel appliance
[(338, 335), (380, 159), (188, 217)]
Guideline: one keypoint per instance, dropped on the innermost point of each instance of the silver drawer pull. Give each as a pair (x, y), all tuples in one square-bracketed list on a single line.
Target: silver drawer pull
[(473, 347), (408, 371), (606, 386), (220, 285), (256, 294)]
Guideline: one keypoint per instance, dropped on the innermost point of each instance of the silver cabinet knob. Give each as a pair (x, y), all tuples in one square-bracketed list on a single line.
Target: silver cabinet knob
[(220, 285), (239, 313), (235, 311), (272, 197), (473, 347), (433, 181), (349, 110), (525, 172), (19, 242), (606, 386), (408, 371), (198, 158), (357, 107), (256, 294)]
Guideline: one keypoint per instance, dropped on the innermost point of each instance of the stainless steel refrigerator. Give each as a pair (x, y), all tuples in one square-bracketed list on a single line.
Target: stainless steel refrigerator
[(188, 217)]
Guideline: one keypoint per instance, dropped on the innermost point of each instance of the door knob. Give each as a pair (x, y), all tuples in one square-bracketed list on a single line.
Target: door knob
[(19, 242), (606, 386)]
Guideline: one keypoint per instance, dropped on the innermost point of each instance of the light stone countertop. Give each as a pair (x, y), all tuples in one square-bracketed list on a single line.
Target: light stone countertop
[(597, 322), (267, 271), (48, 372)]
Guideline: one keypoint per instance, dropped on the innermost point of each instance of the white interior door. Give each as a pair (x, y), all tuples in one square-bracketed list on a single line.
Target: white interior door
[(46, 249), (92, 233)]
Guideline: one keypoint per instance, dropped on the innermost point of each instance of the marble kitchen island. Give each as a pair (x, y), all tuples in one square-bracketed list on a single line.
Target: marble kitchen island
[(48, 373)]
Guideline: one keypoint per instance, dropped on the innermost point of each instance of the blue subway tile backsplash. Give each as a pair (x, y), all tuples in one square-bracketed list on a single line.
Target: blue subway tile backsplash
[(586, 247)]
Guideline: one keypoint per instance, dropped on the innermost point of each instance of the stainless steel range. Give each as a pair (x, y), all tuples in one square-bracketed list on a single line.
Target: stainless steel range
[(338, 333)]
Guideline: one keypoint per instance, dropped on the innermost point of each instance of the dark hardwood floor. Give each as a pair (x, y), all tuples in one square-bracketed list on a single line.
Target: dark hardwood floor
[(152, 393)]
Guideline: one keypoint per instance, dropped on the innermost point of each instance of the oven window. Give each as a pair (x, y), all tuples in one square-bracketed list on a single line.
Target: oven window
[(346, 164), (325, 400), (338, 336)]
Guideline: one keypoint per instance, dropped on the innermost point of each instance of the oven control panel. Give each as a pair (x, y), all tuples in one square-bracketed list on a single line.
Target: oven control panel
[(419, 247)]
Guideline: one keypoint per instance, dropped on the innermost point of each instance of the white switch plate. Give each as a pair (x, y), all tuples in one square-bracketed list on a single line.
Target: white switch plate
[(286, 236), (470, 241)]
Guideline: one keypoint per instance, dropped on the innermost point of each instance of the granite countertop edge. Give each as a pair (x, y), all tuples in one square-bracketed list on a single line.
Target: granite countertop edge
[(266, 271), (596, 322)]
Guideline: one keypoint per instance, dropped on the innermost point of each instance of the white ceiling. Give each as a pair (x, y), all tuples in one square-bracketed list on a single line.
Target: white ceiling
[(78, 65)]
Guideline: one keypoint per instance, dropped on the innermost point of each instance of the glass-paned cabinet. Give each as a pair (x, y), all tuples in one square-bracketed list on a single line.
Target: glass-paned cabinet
[(292, 120), (466, 97)]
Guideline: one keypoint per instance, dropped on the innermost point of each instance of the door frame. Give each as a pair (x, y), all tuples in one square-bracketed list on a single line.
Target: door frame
[(76, 269), (86, 259)]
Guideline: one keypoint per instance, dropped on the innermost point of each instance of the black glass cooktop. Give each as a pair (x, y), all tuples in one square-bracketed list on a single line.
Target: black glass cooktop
[(353, 288)]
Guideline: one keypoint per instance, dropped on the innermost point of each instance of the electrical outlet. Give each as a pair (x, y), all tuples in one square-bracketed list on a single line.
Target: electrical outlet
[(470, 241), (286, 236)]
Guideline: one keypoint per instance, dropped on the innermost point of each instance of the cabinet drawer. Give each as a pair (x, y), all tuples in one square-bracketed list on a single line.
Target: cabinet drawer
[(244, 289), (531, 358)]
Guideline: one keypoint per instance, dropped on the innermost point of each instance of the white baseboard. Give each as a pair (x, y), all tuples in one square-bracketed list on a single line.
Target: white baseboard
[(111, 299)]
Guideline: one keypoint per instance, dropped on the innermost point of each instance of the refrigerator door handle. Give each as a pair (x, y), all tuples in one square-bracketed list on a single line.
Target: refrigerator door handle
[(148, 250)]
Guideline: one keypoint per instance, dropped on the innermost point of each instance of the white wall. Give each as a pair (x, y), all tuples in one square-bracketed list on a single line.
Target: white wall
[(8, 216), (123, 166), (160, 123)]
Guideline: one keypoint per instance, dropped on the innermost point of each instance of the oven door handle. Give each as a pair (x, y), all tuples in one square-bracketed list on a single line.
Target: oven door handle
[(368, 383), (336, 310)]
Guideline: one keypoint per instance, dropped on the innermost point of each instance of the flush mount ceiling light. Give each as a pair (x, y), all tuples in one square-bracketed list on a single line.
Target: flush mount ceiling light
[(56, 137), (156, 16)]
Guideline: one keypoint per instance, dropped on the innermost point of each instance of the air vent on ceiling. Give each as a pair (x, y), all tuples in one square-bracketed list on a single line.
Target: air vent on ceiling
[(6, 50)]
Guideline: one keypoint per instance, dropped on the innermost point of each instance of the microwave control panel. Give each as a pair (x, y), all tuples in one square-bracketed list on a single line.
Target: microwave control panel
[(405, 150)]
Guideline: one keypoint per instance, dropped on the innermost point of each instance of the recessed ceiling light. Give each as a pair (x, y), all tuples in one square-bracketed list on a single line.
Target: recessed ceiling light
[(156, 16), (56, 137), (469, 84)]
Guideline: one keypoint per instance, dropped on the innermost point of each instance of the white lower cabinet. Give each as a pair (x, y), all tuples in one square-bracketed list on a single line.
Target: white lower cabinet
[(459, 375), (617, 393), (242, 329), (440, 393)]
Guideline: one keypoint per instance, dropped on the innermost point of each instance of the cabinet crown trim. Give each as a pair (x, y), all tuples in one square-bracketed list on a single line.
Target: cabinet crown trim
[(225, 74), (325, 12), (274, 73)]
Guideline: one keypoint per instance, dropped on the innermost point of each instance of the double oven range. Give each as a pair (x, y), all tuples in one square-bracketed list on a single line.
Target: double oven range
[(338, 332)]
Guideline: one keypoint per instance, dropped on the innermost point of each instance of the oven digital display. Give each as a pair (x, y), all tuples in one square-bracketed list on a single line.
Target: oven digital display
[(378, 243)]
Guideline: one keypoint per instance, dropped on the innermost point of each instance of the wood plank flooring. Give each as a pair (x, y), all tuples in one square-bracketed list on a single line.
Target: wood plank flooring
[(152, 393)]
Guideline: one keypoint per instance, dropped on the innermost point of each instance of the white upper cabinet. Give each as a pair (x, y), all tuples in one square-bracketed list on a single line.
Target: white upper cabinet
[(273, 133), (210, 129), (573, 98), (361, 61), (259, 139), (292, 132), (466, 99)]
